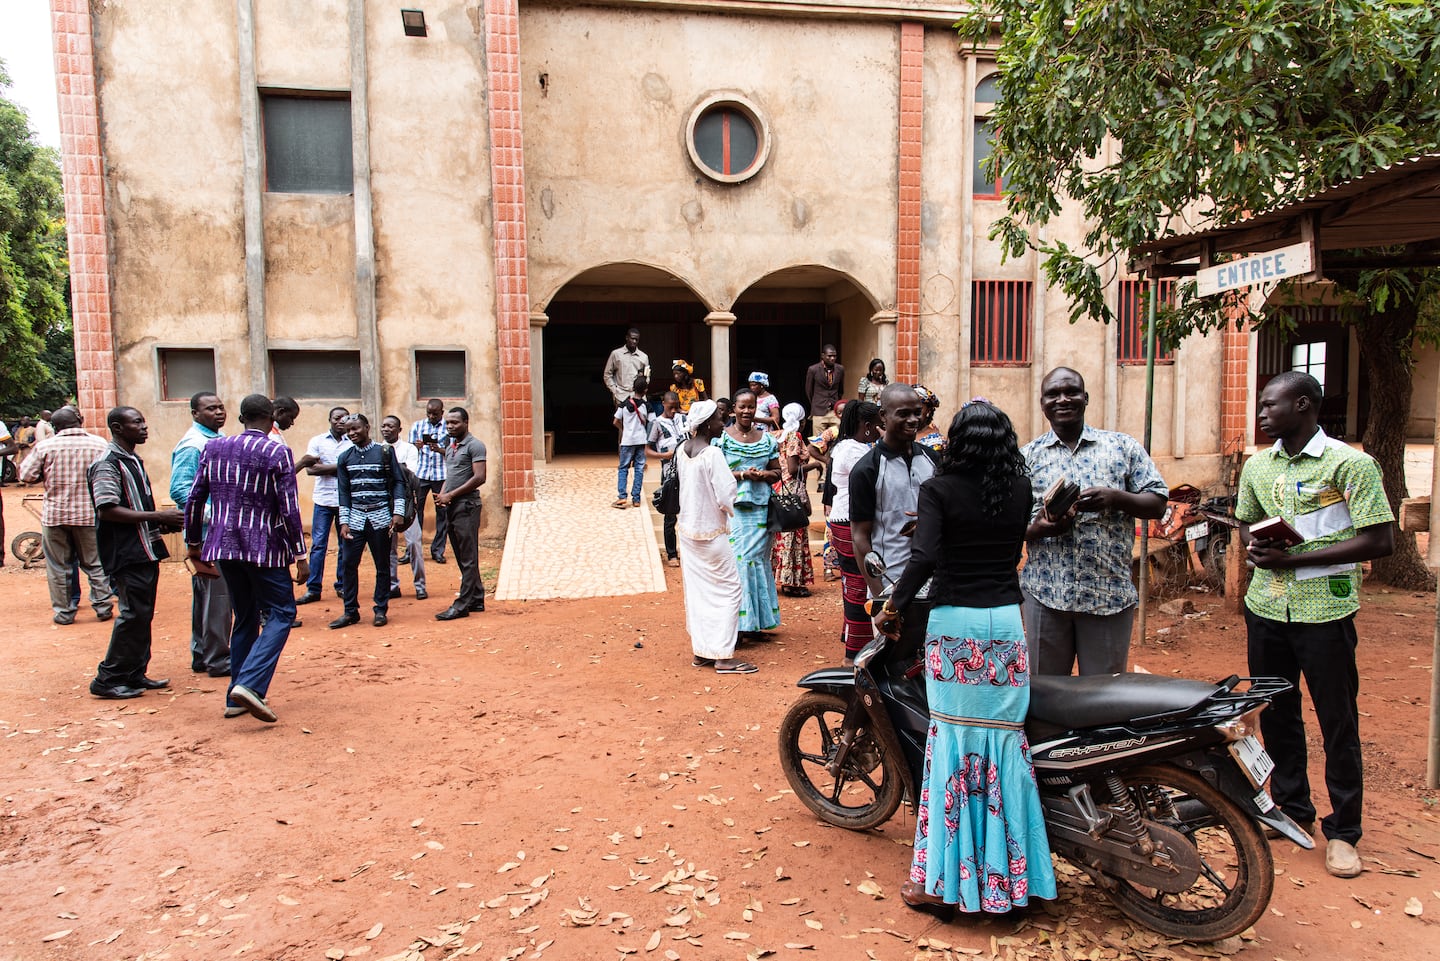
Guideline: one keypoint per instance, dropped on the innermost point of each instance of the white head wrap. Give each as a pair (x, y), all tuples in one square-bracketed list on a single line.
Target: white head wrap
[(792, 415), (700, 412)]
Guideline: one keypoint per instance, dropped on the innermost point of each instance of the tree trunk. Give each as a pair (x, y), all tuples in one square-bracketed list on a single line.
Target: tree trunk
[(1385, 340)]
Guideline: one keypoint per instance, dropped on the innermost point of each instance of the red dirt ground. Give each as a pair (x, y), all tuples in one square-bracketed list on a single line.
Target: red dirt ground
[(554, 780)]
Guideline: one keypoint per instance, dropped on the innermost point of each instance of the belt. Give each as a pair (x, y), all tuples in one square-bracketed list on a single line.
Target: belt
[(979, 721)]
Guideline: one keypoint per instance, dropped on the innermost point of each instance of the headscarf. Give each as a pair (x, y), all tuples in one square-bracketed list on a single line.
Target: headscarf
[(681, 365), (760, 377), (700, 412), (792, 415)]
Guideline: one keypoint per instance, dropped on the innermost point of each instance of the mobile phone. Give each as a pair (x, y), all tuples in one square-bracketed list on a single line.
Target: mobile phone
[(428, 438)]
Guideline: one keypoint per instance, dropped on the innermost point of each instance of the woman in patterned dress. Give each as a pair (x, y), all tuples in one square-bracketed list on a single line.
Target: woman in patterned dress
[(751, 454), (791, 555), (980, 841)]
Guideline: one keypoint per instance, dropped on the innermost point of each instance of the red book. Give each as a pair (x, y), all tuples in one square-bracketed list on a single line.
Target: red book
[(1276, 529)]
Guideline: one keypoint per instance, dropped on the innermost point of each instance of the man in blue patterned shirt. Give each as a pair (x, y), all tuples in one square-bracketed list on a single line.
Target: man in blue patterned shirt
[(372, 507), (1079, 598)]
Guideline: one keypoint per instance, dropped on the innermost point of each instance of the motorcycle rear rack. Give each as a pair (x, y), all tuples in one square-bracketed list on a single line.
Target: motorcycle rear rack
[(1230, 700)]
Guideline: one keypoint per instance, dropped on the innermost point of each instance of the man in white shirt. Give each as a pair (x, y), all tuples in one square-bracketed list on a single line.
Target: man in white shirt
[(632, 418), (319, 461), (409, 457)]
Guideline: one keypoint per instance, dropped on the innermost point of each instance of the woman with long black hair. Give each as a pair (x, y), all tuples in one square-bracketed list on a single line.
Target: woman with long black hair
[(980, 841)]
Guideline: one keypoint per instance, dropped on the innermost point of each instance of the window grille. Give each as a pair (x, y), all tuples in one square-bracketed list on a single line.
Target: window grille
[(1132, 315), (1000, 323)]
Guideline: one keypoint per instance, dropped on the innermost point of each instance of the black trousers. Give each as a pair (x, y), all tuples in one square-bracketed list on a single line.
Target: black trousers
[(428, 488), (377, 539), (464, 533), (129, 653), (1325, 655)]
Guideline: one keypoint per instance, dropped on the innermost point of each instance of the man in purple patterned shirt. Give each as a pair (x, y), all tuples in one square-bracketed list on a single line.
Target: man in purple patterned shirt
[(254, 535)]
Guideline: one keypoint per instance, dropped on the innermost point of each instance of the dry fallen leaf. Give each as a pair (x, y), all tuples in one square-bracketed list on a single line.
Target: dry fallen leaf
[(374, 932), (654, 942), (288, 901), (812, 923), (56, 936), (335, 954), (1414, 908)]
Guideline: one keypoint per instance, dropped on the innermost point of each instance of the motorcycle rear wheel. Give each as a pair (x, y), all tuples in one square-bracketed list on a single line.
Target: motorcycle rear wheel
[(867, 792), (1237, 873)]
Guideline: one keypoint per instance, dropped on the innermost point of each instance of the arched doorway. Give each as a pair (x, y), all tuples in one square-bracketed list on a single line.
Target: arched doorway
[(588, 318), (783, 319)]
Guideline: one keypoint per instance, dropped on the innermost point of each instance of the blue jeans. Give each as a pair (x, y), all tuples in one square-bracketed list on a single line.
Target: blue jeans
[(255, 646), (631, 454), (321, 521)]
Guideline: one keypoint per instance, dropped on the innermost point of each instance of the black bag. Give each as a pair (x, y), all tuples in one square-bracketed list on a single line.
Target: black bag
[(788, 511), (411, 483), (666, 498)]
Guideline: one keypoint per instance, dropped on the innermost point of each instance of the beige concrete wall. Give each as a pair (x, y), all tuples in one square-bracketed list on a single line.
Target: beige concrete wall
[(303, 44), (609, 178), (170, 137), (310, 269)]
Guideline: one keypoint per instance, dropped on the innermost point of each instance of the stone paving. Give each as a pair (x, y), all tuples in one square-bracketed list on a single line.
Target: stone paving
[(569, 542)]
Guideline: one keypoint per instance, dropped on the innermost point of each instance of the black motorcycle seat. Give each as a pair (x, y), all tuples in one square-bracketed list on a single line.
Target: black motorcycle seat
[(1097, 700)]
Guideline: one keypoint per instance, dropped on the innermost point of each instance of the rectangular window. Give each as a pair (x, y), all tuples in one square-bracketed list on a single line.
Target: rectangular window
[(1000, 323), (316, 374), (1309, 359), (440, 373), (1133, 314), (307, 144), (185, 372), (986, 187)]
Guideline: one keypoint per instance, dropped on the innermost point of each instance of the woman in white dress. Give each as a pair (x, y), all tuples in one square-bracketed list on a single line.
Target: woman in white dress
[(712, 579)]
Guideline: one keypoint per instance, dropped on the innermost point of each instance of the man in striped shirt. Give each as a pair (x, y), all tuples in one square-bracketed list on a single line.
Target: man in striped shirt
[(127, 536), (429, 438), (253, 536), (372, 506), (67, 521)]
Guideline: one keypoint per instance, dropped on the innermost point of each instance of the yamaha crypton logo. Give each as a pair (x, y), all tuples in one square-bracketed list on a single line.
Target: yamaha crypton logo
[(1096, 748)]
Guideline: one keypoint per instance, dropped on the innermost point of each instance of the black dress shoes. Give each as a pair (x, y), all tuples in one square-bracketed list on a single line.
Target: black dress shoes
[(438, 558), (451, 613), (115, 692), (219, 671), (395, 593), (153, 683), (477, 608), (421, 596), (344, 620), (309, 597), (380, 620)]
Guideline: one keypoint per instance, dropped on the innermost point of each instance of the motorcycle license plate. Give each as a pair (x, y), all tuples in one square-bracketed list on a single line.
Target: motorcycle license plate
[(1253, 759), (1196, 531)]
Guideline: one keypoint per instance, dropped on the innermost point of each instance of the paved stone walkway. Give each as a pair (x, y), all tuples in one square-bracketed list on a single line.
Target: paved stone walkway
[(569, 542)]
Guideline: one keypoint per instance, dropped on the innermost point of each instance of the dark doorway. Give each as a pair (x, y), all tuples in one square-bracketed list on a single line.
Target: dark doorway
[(1319, 344), (579, 339), (783, 340)]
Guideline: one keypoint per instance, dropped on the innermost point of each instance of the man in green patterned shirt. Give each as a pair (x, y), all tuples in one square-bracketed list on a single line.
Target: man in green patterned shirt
[(1300, 609)]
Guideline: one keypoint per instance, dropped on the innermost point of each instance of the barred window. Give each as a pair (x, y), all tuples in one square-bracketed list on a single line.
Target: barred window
[(316, 374), (185, 372), (1133, 311), (1000, 323), (307, 144), (439, 373)]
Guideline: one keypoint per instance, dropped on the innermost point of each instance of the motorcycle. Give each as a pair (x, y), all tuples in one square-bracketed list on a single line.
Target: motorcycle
[(1152, 786)]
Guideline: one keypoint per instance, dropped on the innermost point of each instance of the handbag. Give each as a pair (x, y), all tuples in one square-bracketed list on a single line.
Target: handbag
[(789, 510), (666, 498)]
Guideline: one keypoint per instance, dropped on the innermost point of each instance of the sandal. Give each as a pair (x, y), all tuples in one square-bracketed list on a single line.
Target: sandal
[(736, 667), (698, 661), (754, 637)]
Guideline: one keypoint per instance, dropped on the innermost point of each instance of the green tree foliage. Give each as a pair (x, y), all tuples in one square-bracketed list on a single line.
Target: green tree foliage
[(33, 268), (1158, 116)]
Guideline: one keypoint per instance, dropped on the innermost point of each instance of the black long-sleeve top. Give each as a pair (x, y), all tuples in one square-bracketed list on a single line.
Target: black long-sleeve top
[(972, 555)]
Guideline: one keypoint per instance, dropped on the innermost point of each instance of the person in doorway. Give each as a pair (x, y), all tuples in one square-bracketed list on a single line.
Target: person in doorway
[(429, 437), (686, 385), (320, 461), (371, 495), (632, 419), (409, 457), (1301, 605), (859, 427), (790, 557), (980, 841), (711, 579), (872, 383), (885, 487), (667, 431), (253, 536), (753, 456), (767, 407), (128, 533), (210, 613), (1079, 598), (67, 521), (464, 475), (824, 386), (624, 365)]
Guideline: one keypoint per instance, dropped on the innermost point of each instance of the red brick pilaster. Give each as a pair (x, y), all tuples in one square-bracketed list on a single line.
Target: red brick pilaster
[(512, 298), (1235, 379), (907, 240), (85, 227)]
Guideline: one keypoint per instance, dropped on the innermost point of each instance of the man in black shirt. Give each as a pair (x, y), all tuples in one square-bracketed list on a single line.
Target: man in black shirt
[(885, 485)]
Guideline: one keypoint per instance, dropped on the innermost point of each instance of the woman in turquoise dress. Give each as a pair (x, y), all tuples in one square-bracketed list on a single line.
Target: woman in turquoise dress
[(980, 842), (753, 456)]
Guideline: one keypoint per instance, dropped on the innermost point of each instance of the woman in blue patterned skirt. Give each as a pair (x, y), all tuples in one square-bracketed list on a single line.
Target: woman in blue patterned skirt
[(753, 456), (980, 841)]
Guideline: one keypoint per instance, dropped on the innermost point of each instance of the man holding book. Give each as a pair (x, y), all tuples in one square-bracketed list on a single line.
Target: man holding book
[(1079, 601), (1313, 508)]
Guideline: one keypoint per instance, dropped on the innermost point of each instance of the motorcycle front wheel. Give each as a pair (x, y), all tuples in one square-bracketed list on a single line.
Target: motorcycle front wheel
[(868, 788), (1237, 874)]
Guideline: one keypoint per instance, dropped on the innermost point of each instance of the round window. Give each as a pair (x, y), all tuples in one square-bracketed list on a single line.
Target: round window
[(726, 139)]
